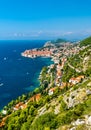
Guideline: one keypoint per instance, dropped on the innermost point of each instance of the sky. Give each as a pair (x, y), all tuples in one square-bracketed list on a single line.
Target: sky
[(44, 19)]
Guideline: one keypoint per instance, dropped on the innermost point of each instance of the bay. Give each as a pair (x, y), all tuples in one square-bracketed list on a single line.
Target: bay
[(18, 75)]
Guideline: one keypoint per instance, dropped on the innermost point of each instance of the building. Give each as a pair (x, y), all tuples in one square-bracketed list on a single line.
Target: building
[(35, 98), (51, 91), (4, 112), (76, 80)]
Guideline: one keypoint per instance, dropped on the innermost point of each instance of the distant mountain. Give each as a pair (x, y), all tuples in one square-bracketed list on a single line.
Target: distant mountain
[(54, 43), (60, 40)]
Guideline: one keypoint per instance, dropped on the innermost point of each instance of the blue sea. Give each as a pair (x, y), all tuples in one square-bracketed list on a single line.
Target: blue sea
[(18, 75)]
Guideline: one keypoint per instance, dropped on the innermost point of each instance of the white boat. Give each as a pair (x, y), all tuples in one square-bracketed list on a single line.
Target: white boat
[(1, 84)]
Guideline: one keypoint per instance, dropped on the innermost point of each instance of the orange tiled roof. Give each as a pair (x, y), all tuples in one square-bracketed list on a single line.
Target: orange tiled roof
[(52, 89), (23, 106), (35, 97)]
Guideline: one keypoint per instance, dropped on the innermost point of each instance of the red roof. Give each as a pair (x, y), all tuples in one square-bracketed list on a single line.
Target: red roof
[(52, 89), (35, 97)]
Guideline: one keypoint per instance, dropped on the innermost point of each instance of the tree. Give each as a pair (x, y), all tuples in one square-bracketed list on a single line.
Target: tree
[(47, 128), (85, 42), (46, 120), (79, 110)]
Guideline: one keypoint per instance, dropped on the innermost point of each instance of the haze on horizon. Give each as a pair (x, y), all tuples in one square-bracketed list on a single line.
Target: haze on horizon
[(48, 19)]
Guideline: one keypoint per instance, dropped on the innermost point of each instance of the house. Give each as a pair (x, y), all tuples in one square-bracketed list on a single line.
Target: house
[(51, 91), (3, 121), (23, 106), (58, 67), (31, 99), (88, 92), (81, 77), (2, 124), (59, 74), (78, 122), (76, 80), (35, 98), (57, 82), (51, 66), (63, 85), (4, 112), (18, 106), (88, 120)]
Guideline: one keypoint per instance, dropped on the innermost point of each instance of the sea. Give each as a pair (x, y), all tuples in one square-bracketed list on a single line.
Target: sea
[(19, 75)]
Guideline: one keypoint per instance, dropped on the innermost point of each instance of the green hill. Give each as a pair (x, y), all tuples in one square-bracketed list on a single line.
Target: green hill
[(60, 40), (86, 42)]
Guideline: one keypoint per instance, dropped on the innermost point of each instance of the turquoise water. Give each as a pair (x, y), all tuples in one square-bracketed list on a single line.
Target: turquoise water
[(18, 74)]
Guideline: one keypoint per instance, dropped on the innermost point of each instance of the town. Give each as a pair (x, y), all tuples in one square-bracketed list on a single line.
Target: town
[(51, 81)]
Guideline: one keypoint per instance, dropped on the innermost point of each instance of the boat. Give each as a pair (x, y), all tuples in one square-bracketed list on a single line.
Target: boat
[(1, 84)]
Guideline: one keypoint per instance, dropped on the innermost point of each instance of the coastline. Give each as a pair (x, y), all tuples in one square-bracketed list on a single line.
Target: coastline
[(58, 57), (27, 78), (18, 78), (51, 86)]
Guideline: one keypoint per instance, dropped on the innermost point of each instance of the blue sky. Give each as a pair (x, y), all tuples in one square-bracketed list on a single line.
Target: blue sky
[(44, 19)]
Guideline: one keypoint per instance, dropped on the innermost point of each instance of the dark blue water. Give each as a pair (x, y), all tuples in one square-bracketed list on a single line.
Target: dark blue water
[(18, 74)]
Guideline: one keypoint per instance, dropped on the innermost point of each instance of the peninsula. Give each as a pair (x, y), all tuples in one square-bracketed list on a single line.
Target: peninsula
[(35, 53)]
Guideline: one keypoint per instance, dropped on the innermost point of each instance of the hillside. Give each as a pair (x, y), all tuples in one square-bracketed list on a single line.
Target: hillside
[(60, 41), (86, 42), (63, 100)]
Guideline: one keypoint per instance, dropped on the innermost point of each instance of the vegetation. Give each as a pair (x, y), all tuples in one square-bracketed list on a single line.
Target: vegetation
[(60, 40), (51, 112), (86, 42), (68, 73)]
